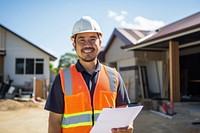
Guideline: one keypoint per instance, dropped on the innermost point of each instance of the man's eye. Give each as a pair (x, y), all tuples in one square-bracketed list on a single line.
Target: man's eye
[(81, 40), (93, 40)]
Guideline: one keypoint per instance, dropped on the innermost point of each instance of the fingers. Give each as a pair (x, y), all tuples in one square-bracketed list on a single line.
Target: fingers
[(127, 129)]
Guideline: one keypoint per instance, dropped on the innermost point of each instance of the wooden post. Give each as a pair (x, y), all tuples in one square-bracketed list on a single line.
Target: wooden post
[(174, 71), (141, 82)]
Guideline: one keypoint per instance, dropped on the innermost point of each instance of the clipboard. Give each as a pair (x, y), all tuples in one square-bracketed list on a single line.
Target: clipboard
[(114, 118)]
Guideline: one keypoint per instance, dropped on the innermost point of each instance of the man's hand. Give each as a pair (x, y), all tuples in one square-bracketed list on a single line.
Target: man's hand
[(128, 129), (54, 122)]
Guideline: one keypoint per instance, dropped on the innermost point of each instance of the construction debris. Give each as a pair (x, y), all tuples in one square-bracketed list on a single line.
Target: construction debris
[(9, 105)]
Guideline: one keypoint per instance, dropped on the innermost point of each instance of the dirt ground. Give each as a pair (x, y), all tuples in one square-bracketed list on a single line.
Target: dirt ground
[(23, 117), (30, 117)]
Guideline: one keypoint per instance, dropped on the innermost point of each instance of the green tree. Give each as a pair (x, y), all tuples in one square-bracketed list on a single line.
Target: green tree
[(67, 60), (52, 69)]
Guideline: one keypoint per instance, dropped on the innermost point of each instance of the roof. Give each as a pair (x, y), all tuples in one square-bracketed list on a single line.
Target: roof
[(189, 25), (52, 58), (128, 36)]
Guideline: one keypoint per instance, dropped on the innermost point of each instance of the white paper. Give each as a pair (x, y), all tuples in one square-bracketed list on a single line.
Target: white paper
[(114, 118)]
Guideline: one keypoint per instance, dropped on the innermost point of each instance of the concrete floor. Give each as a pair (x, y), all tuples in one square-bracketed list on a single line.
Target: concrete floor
[(186, 120), (193, 108)]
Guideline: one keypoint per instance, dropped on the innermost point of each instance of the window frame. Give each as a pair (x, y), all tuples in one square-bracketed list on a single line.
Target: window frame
[(37, 63), (16, 66)]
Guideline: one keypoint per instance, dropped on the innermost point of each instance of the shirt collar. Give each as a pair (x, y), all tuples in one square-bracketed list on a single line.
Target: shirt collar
[(80, 68)]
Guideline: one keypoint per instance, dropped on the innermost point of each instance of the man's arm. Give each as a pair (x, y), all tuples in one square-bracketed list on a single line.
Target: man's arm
[(54, 122)]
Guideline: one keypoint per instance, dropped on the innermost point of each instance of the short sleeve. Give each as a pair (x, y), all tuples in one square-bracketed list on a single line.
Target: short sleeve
[(55, 100), (122, 95)]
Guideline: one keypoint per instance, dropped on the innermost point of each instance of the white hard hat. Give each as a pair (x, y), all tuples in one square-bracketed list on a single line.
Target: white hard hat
[(86, 24)]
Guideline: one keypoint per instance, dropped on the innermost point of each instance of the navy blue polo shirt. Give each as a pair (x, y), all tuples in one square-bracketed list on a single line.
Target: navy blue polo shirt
[(55, 100)]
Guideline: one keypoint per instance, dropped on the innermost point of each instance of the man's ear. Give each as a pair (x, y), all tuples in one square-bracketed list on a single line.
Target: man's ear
[(100, 42), (73, 43)]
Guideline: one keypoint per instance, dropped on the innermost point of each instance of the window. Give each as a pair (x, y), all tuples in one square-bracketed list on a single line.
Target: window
[(19, 68), (29, 66), (39, 66)]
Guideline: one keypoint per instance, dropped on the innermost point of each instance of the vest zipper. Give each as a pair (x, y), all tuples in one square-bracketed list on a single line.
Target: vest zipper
[(91, 96), (92, 115)]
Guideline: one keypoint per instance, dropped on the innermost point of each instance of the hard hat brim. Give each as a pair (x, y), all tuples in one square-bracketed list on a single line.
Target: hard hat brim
[(86, 31)]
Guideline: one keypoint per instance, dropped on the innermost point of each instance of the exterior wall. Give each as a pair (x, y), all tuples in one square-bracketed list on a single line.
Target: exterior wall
[(128, 63), (115, 53), (129, 72), (18, 48), (123, 60)]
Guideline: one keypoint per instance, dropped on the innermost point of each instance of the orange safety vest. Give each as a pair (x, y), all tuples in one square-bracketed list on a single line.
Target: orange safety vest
[(79, 113)]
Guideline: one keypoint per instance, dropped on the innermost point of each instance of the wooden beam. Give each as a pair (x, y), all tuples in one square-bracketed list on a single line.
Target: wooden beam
[(174, 71), (141, 82)]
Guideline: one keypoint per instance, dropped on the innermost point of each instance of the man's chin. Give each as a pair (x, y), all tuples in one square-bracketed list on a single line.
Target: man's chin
[(88, 60)]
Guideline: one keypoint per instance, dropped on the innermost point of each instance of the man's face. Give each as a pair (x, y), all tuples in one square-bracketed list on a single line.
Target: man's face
[(87, 46)]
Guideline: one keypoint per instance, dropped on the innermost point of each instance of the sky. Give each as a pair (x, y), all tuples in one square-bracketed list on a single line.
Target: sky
[(48, 23)]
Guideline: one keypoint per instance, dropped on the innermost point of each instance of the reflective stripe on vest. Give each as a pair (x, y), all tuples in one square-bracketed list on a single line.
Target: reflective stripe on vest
[(96, 115), (68, 80), (79, 119), (111, 76)]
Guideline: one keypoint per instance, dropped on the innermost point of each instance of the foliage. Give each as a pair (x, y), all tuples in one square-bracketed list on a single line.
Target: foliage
[(54, 70), (67, 60)]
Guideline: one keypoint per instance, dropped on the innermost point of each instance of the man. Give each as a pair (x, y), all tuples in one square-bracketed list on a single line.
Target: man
[(80, 92)]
